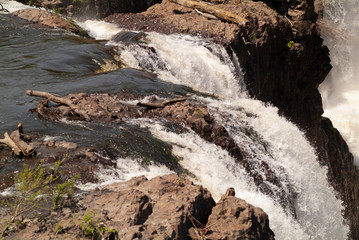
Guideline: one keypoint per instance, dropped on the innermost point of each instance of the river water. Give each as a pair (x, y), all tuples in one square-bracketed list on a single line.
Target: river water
[(59, 62)]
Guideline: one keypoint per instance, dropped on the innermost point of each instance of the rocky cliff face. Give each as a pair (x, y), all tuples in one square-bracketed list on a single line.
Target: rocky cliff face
[(166, 207)]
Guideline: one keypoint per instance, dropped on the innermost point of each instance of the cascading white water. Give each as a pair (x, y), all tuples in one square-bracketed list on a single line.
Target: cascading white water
[(186, 60), (207, 67), (340, 90)]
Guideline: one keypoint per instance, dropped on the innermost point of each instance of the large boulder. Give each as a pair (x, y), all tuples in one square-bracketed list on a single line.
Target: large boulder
[(234, 218)]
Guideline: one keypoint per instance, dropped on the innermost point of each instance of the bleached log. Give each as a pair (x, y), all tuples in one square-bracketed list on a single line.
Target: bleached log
[(10, 143), (213, 10), (161, 104), (59, 100), (17, 136)]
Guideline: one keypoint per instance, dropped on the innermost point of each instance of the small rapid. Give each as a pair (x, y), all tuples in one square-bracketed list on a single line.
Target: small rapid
[(340, 90)]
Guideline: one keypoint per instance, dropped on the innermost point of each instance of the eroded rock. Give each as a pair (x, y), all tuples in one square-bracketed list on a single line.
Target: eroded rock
[(164, 207), (234, 218)]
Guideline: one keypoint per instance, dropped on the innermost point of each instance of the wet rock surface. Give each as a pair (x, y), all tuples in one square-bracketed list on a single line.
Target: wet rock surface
[(48, 19), (165, 207)]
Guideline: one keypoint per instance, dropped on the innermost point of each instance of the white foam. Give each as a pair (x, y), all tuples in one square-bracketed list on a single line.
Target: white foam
[(126, 169), (100, 30)]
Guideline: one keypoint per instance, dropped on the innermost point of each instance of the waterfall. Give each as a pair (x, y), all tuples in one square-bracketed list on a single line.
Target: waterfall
[(340, 90), (302, 206), (207, 67)]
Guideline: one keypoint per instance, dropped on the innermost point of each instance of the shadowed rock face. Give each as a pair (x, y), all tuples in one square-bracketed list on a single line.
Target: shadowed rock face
[(165, 207)]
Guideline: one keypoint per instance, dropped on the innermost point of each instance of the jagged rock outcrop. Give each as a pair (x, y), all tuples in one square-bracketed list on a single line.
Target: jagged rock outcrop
[(234, 218), (162, 208)]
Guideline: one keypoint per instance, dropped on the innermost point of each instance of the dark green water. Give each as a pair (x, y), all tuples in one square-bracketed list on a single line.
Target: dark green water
[(61, 63), (57, 62)]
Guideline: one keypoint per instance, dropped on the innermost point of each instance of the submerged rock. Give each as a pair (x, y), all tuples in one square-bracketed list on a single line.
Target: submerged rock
[(165, 207)]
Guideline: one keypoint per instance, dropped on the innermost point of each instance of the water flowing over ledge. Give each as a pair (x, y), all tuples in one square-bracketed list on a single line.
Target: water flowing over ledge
[(207, 67)]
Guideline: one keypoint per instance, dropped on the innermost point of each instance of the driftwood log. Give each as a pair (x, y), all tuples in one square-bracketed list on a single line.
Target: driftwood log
[(161, 104), (16, 141), (213, 10), (59, 100)]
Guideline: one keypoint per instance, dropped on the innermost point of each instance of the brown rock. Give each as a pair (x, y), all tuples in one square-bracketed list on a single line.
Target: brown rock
[(165, 207), (234, 218), (48, 19), (159, 208)]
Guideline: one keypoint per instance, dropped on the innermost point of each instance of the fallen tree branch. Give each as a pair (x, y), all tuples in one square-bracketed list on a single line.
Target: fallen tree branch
[(17, 136), (161, 104), (59, 100), (213, 10), (10, 143), (16, 142)]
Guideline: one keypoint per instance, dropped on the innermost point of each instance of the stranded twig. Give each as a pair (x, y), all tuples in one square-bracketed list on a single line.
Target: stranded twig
[(161, 104)]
